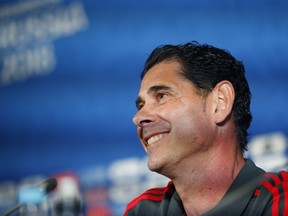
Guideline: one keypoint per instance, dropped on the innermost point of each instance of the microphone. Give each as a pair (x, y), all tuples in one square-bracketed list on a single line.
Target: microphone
[(44, 187), (48, 185)]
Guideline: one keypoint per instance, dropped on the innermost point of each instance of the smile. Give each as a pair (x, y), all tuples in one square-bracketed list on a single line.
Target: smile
[(155, 138)]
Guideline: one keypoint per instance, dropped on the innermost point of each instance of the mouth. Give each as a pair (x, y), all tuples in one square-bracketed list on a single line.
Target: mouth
[(154, 138)]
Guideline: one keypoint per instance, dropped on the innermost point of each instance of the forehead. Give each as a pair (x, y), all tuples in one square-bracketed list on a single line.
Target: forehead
[(163, 73)]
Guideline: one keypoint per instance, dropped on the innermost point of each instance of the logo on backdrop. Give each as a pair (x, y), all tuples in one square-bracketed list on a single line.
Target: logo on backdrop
[(269, 151), (27, 31)]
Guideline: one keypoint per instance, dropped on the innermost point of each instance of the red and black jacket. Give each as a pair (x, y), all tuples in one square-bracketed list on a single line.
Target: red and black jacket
[(254, 192)]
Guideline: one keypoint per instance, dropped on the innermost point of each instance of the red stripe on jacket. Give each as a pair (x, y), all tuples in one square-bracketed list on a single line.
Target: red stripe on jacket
[(154, 194)]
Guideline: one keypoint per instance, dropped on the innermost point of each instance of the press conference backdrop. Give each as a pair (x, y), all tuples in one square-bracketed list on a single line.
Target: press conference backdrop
[(69, 76)]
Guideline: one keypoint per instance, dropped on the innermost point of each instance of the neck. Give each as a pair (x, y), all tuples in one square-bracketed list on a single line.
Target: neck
[(202, 186)]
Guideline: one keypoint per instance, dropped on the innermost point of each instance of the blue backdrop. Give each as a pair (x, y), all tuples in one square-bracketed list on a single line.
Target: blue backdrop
[(69, 72)]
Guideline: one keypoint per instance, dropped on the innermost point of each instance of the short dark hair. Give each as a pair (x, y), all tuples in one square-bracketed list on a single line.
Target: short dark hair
[(205, 66)]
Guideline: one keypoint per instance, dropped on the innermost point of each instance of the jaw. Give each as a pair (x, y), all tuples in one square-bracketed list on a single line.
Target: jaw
[(158, 152)]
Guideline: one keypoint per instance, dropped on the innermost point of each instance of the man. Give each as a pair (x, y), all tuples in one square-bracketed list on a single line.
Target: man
[(194, 112)]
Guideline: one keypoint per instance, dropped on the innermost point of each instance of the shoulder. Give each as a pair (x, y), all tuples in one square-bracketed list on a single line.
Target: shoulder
[(274, 182), (271, 195), (150, 199)]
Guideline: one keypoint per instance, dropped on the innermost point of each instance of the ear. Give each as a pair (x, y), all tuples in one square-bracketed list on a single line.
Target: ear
[(223, 99)]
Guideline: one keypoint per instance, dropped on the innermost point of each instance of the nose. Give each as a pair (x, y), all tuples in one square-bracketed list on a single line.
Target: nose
[(143, 118)]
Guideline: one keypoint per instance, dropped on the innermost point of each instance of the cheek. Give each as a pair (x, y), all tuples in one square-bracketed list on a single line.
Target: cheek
[(192, 135), (190, 121)]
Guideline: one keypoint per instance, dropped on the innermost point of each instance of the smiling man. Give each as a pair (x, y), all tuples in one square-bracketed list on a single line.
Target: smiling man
[(192, 120)]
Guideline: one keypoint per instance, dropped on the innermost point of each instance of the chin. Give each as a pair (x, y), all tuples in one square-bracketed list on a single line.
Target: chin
[(155, 166)]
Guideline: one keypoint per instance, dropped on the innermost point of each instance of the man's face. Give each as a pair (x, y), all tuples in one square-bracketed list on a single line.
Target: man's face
[(173, 121)]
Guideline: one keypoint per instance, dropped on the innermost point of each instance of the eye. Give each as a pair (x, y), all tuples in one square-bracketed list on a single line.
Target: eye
[(160, 95), (139, 105)]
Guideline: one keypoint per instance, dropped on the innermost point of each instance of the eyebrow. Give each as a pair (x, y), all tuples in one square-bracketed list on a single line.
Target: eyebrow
[(158, 88), (152, 89)]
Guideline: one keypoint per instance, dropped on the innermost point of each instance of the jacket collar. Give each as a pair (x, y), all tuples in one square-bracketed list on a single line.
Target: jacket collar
[(240, 192)]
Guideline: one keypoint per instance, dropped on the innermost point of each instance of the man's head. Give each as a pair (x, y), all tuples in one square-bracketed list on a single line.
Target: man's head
[(205, 66)]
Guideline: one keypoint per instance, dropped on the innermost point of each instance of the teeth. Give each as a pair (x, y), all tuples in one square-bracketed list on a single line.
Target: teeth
[(155, 138)]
